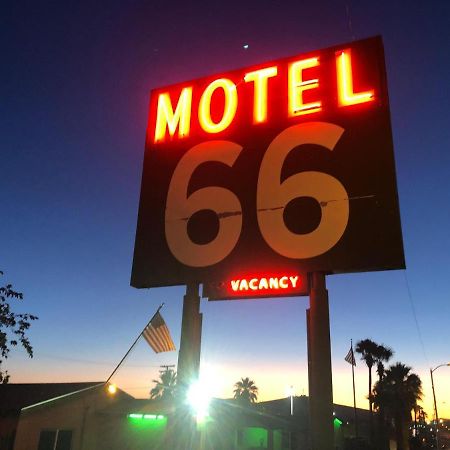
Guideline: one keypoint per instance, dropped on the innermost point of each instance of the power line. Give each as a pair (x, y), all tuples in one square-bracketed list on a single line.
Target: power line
[(415, 317), (88, 361), (349, 21)]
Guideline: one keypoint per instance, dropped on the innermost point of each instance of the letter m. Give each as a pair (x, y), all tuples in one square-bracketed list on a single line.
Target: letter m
[(167, 118)]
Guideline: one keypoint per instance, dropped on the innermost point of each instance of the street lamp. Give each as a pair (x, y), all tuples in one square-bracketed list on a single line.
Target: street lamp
[(112, 389), (290, 394), (435, 404)]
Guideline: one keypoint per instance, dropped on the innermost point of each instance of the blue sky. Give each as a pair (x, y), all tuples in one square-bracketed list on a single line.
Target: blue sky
[(75, 85)]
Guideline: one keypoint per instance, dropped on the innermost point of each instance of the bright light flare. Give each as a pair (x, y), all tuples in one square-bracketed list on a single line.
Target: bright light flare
[(289, 391), (112, 389), (199, 397)]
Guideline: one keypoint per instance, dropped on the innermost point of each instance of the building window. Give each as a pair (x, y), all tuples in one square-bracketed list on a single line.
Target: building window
[(55, 440)]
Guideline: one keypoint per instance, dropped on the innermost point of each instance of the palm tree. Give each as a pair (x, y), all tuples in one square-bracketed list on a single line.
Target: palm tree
[(373, 353), (245, 391), (383, 355), (369, 351), (165, 386), (398, 392)]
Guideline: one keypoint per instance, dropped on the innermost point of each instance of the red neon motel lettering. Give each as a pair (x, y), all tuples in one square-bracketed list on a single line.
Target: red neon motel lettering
[(229, 110), (260, 79), (264, 283), (297, 85), (346, 96), (176, 121), (167, 118)]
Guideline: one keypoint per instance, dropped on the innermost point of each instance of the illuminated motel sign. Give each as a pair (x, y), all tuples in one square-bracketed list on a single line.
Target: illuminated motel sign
[(176, 122), (275, 170), (256, 286)]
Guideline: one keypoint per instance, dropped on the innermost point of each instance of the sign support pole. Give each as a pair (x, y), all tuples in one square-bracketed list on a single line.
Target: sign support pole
[(190, 342), (319, 365), (183, 435)]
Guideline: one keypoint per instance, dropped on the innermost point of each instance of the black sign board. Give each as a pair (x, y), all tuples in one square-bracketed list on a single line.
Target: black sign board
[(284, 167)]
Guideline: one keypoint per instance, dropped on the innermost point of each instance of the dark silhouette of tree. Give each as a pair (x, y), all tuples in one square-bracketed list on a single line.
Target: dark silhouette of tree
[(165, 386), (383, 355), (245, 391), (368, 350), (398, 392), (373, 354), (13, 327)]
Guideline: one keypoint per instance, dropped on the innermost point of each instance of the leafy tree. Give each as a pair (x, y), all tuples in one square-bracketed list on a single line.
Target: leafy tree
[(245, 391), (13, 327), (165, 386), (398, 392)]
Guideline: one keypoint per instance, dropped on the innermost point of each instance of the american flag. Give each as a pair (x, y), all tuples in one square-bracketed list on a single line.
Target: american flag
[(158, 336), (350, 358)]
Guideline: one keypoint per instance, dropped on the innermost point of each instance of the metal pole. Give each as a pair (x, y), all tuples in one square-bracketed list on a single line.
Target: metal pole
[(311, 389), (435, 408), (184, 432), (292, 401), (190, 342), (354, 394), (319, 358), (132, 345)]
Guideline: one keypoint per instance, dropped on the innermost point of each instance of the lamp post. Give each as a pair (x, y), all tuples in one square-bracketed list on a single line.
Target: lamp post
[(435, 404), (292, 400), (290, 394)]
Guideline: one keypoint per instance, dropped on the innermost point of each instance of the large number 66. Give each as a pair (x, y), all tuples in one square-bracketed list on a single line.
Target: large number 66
[(272, 197)]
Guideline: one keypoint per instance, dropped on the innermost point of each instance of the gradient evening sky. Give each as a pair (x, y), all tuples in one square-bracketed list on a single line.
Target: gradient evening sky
[(75, 84)]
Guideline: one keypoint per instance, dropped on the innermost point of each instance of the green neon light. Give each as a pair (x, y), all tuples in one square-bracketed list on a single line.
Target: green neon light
[(337, 422), (146, 416)]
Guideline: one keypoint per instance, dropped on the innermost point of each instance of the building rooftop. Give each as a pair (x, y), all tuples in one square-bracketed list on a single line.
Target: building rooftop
[(15, 396)]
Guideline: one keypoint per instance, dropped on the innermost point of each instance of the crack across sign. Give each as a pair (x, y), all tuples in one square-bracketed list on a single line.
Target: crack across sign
[(323, 203)]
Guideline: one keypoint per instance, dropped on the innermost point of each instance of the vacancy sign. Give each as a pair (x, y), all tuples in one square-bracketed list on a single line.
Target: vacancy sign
[(286, 167), (257, 286)]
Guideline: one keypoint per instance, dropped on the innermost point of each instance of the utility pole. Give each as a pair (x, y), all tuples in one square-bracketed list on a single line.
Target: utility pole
[(166, 367), (435, 404), (435, 408)]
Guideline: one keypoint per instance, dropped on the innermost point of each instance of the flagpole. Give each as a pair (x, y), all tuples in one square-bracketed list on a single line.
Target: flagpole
[(354, 395), (134, 343)]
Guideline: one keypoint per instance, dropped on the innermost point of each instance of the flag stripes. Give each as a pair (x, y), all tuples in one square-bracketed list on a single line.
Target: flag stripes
[(158, 336), (350, 358)]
